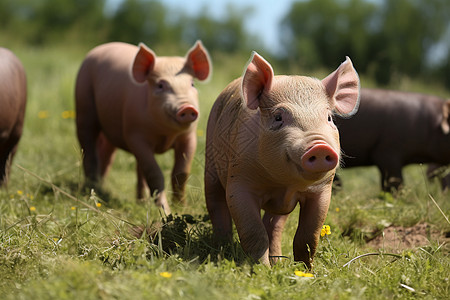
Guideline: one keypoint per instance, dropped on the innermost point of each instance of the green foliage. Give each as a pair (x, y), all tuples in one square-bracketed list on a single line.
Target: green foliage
[(132, 21), (385, 39)]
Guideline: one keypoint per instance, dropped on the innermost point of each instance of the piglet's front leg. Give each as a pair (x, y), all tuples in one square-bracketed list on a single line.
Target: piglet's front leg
[(148, 168), (184, 153), (274, 225), (246, 212), (313, 211)]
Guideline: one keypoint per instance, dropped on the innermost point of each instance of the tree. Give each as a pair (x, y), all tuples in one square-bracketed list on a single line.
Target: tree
[(382, 38), (139, 21), (323, 32), (227, 35)]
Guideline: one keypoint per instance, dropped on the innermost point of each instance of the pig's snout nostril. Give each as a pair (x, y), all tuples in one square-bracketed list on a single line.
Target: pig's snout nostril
[(320, 158), (187, 114)]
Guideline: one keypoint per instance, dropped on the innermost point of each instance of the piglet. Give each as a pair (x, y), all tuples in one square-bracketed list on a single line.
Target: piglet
[(13, 98), (129, 98), (271, 143)]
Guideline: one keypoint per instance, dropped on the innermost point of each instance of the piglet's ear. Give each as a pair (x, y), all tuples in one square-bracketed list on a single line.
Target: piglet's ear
[(198, 62), (342, 86), (143, 64), (257, 79)]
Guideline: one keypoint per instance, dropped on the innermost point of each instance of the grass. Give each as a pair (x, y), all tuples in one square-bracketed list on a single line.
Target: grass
[(58, 241)]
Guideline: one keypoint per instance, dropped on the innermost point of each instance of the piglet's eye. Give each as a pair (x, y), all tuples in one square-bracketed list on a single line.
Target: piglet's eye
[(277, 122), (331, 122), (161, 86)]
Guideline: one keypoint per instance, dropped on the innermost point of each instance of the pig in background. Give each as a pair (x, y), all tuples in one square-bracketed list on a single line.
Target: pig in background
[(129, 98), (393, 129), (13, 98), (271, 143)]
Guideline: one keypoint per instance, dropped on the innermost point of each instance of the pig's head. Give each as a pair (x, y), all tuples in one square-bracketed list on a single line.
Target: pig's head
[(297, 139), (172, 96)]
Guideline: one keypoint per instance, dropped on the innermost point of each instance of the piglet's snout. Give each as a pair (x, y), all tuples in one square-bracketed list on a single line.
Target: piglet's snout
[(319, 158), (187, 114)]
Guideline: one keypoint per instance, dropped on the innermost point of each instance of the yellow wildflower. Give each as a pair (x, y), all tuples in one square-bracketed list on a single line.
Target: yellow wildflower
[(325, 230), (338, 209), (32, 208), (73, 208), (31, 197), (165, 274), (68, 114), (43, 114), (98, 204), (19, 192), (303, 274)]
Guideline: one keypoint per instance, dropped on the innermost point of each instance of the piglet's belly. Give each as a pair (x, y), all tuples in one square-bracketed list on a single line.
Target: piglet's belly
[(281, 205)]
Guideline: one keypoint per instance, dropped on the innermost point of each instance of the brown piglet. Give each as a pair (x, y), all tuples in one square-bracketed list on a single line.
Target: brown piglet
[(271, 143), (129, 98), (13, 99)]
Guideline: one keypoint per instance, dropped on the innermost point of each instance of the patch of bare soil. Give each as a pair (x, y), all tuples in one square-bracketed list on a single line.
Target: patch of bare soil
[(398, 238)]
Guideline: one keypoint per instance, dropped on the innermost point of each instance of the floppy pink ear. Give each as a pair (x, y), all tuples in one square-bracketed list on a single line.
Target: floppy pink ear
[(257, 79), (143, 64), (342, 86), (198, 61)]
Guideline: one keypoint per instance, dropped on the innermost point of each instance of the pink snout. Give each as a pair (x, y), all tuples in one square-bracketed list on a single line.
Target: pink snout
[(187, 114), (319, 158)]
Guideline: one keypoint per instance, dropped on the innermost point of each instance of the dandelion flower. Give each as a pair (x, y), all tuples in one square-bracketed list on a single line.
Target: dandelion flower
[(73, 208), (338, 209), (303, 274), (98, 204), (43, 114), (326, 230), (31, 197), (68, 114), (165, 274), (20, 192), (32, 208)]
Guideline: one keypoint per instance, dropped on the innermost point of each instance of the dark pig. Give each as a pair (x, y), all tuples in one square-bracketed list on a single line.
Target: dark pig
[(13, 98), (271, 143), (393, 129)]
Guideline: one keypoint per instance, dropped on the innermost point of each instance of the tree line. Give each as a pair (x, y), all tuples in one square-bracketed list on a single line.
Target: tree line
[(385, 39)]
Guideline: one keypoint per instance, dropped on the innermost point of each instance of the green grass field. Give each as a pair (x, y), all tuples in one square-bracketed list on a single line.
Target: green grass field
[(59, 241)]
